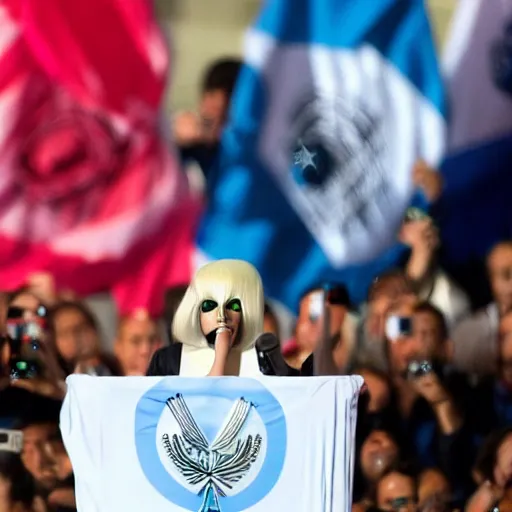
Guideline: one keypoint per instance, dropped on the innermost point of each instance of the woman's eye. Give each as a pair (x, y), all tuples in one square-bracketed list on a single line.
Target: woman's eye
[(208, 305), (234, 305)]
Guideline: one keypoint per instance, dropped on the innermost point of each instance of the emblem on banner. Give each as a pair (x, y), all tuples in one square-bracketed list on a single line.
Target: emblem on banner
[(214, 467), (211, 452), (339, 161)]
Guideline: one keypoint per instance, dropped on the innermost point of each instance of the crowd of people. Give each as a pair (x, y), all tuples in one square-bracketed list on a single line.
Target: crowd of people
[(435, 421)]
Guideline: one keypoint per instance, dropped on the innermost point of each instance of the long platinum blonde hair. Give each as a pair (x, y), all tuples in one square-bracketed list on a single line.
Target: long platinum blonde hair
[(221, 281)]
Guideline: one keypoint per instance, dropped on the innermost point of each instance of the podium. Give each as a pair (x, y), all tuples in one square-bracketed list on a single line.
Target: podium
[(212, 444)]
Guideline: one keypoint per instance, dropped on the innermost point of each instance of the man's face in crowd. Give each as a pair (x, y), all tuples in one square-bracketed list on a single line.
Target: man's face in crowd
[(423, 343), (37, 454), (396, 492), (137, 341), (500, 274), (309, 323)]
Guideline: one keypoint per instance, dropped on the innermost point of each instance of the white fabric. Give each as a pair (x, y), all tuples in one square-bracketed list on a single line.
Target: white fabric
[(301, 433)]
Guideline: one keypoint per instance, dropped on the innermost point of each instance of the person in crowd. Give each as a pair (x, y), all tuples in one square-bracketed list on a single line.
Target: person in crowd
[(430, 282), (172, 299), (379, 451), (216, 324), (431, 397), (475, 339), (316, 305), (77, 340), (387, 291), (47, 389), (434, 491), (397, 489), (45, 458), (493, 395), (493, 472), (138, 338), (197, 134), (270, 321), (17, 487)]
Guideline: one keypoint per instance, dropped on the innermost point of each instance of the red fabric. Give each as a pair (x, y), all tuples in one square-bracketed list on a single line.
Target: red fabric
[(88, 187)]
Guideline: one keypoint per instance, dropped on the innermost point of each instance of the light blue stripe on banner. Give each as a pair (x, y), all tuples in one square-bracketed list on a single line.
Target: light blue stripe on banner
[(477, 203), (396, 29)]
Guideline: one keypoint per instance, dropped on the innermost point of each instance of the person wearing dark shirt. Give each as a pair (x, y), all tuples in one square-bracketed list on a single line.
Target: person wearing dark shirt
[(431, 398), (493, 396), (198, 134)]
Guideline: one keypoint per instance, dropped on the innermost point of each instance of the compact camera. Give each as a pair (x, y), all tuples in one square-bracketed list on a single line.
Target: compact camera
[(419, 368)]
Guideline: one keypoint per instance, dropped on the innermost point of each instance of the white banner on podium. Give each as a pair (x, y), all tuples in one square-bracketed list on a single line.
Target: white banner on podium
[(227, 444)]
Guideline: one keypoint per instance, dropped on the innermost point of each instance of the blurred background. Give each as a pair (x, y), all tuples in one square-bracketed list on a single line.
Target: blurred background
[(203, 30)]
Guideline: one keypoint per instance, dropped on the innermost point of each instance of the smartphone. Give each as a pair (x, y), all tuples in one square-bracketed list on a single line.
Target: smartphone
[(24, 337), (398, 327), (316, 305)]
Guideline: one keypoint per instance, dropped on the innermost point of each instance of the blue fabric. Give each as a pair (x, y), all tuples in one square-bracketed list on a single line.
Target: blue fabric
[(476, 204), (248, 216)]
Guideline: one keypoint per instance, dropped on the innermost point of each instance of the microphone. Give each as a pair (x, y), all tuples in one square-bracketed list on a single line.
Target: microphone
[(270, 358)]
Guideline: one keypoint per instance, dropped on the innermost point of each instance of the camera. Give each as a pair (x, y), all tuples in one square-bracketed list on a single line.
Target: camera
[(419, 368), (24, 336), (11, 441), (398, 327)]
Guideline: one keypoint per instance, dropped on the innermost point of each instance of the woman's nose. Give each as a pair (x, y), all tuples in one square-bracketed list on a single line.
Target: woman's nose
[(221, 315)]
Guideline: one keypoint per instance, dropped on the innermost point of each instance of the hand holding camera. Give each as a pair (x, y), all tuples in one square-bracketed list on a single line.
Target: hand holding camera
[(427, 383), (30, 361)]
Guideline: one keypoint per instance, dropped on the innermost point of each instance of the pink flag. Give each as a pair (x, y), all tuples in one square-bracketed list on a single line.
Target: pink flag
[(89, 189)]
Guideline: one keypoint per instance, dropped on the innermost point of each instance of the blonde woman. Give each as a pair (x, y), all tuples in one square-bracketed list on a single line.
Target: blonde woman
[(216, 324)]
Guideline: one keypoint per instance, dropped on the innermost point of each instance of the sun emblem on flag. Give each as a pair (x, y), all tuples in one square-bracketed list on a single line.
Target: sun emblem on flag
[(337, 144), (215, 467), (207, 450)]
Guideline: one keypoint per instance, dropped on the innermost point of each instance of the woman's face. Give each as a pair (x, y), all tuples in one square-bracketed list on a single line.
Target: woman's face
[(212, 315), (74, 337), (378, 453)]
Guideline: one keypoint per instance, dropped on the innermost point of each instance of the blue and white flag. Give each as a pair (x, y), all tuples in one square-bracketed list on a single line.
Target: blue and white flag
[(337, 101), (477, 205), (211, 444)]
